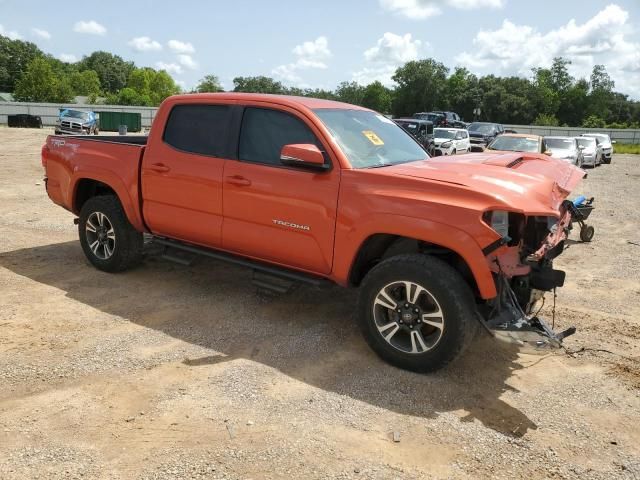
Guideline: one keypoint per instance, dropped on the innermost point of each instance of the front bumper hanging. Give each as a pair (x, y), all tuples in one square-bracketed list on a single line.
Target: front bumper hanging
[(509, 323)]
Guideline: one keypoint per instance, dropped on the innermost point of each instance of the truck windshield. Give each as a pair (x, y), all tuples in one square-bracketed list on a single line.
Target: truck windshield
[(442, 133), (369, 139), (481, 127), (75, 114)]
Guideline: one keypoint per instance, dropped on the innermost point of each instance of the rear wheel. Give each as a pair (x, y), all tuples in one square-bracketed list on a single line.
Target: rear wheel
[(108, 240), (416, 312)]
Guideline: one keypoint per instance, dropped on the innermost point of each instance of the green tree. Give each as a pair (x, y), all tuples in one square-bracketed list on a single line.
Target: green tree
[(258, 84), (350, 92), (39, 83), (15, 56), (462, 93), (421, 86), (210, 83), (85, 83), (546, 120), (593, 121), (162, 86), (560, 79), (112, 70), (377, 97)]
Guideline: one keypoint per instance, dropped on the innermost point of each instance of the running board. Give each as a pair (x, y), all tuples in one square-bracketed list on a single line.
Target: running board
[(271, 271)]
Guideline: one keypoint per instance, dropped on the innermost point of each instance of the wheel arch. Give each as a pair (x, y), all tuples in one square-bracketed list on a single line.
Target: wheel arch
[(86, 187), (380, 246)]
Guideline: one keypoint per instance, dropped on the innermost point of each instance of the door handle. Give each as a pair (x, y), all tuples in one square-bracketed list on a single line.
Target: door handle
[(238, 180), (159, 167)]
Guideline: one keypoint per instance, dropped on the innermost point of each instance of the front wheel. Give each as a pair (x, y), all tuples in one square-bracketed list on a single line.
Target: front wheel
[(108, 240), (416, 312)]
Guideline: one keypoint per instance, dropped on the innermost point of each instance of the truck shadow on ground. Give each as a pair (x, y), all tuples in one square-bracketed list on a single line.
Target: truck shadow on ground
[(309, 334)]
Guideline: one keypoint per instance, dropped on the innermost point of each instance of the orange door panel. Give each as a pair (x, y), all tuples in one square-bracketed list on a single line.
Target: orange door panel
[(182, 175), (281, 215)]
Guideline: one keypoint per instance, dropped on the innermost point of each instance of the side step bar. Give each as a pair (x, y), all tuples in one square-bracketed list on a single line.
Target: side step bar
[(263, 268)]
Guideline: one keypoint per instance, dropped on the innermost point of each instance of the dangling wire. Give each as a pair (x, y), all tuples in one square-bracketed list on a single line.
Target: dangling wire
[(553, 310)]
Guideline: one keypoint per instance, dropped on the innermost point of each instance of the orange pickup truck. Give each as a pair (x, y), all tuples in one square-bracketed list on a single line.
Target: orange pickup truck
[(315, 191)]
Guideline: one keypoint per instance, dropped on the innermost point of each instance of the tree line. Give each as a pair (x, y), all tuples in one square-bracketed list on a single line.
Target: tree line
[(551, 96)]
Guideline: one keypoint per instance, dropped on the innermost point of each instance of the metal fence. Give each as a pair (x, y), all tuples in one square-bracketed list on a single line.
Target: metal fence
[(619, 135), (48, 112)]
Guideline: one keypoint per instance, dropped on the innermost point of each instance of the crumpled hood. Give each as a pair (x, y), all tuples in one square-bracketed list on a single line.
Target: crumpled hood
[(532, 183)]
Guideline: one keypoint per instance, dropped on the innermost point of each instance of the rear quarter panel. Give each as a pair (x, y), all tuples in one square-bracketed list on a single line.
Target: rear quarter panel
[(68, 160)]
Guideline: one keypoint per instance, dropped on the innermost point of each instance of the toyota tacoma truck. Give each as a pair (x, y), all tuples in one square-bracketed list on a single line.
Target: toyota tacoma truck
[(316, 191)]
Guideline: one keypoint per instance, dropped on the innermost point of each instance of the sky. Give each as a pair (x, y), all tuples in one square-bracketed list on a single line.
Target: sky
[(319, 44)]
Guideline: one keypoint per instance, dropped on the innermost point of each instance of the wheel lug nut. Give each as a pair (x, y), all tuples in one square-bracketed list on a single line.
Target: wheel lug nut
[(411, 326), (415, 310), (406, 305), (401, 321), (398, 310)]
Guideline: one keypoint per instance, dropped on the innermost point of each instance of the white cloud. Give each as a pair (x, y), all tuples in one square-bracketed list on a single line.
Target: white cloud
[(389, 52), (421, 9), (515, 49), (169, 67), (392, 48), (310, 54), (144, 44), (41, 33), (12, 34), (91, 27), (187, 61), (68, 57), (180, 47)]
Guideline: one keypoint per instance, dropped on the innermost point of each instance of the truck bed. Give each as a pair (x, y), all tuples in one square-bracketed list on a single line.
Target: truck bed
[(76, 162), (127, 139)]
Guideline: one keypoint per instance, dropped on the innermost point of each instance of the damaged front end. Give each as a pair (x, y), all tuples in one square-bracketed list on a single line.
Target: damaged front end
[(522, 265)]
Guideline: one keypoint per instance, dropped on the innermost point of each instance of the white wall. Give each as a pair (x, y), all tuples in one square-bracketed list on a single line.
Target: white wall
[(48, 112), (621, 136)]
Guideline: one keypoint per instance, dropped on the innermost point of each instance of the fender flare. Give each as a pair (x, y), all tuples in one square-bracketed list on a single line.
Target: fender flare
[(447, 236)]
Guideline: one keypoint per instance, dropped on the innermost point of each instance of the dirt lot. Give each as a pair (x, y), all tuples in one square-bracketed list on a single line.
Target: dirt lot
[(185, 372)]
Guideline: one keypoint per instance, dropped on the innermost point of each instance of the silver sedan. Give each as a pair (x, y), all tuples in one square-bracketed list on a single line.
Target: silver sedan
[(591, 151)]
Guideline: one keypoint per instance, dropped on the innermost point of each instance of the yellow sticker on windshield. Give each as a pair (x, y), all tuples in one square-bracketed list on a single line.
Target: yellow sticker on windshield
[(373, 138)]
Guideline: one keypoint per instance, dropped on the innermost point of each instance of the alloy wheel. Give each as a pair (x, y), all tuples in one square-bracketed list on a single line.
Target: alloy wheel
[(101, 236), (408, 317)]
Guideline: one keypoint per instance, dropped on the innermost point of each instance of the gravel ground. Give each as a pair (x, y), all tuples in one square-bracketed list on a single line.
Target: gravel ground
[(185, 372)]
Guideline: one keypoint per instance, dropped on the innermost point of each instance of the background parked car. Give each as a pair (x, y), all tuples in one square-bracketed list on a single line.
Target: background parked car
[(438, 119), (605, 142), (23, 120), (450, 141), (519, 142), (565, 148), (452, 119), (483, 133), (76, 122), (591, 151), (421, 130)]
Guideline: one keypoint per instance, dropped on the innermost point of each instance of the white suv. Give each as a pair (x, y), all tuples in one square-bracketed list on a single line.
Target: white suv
[(449, 141), (605, 143)]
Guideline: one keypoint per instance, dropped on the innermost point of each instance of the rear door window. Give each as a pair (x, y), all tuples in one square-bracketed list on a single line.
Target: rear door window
[(264, 132), (199, 129)]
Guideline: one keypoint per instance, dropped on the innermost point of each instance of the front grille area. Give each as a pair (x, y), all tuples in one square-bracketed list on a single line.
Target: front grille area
[(67, 125)]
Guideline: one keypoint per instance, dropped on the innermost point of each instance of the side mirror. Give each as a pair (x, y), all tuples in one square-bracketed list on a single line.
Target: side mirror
[(303, 155)]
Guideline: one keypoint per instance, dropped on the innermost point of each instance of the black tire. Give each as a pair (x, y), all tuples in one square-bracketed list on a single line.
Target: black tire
[(586, 233), (96, 131), (126, 249), (446, 291)]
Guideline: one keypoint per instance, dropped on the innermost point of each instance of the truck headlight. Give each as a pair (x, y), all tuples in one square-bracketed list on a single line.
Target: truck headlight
[(446, 144), (499, 221)]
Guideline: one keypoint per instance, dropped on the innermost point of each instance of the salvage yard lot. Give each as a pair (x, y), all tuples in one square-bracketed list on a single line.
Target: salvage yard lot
[(185, 372)]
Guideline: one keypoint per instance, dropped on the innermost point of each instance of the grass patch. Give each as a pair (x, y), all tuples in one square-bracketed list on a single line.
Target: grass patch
[(626, 148)]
